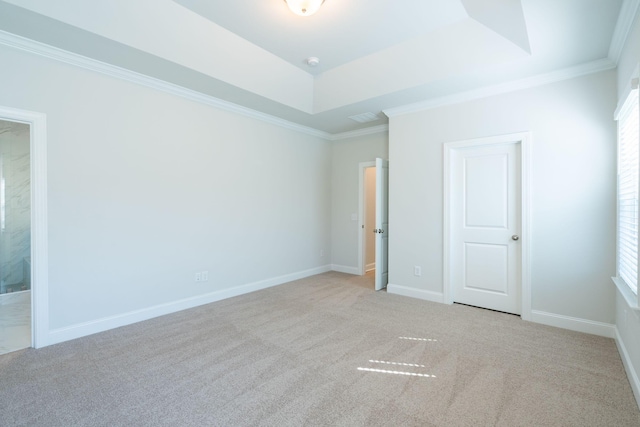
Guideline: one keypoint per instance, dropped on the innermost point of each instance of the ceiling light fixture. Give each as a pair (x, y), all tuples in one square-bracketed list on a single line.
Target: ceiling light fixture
[(304, 7)]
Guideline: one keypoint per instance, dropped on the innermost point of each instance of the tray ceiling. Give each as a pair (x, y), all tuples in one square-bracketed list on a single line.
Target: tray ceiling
[(374, 54)]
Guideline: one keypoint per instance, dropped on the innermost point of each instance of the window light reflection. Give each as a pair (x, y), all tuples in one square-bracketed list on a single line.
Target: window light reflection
[(384, 371), (384, 362), (417, 339)]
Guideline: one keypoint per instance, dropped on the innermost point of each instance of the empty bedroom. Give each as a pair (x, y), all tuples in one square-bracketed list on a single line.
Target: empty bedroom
[(319, 212)]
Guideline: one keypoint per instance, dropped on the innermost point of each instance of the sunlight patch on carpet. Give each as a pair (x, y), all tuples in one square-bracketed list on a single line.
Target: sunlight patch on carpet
[(384, 362), (384, 371), (417, 339)]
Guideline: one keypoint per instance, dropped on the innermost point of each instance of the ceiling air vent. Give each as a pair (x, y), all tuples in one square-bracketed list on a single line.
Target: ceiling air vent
[(365, 117)]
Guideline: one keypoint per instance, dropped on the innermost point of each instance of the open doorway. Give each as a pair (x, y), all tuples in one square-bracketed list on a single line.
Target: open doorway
[(374, 221), (366, 238), (15, 236), (369, 215), (23, 236)]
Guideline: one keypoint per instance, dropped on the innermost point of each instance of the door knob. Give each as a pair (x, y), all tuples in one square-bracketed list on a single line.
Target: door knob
[(381, 231), (515, 237)]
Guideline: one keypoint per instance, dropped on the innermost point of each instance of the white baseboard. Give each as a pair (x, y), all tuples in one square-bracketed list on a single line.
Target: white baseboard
[(573, 323), (345, 269), (370, 267), (415, 293), (632, 375), (111, 322)]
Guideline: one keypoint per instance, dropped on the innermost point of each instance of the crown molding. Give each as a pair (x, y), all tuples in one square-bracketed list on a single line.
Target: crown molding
[(627, 16), (359, 132), (21, 43), (630, 9), (487, 91)]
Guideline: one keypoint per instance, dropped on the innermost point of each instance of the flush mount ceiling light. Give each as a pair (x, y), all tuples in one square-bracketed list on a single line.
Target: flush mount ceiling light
[(304, 7)]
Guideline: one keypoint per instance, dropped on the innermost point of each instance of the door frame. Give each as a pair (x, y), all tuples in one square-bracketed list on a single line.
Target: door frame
[(524, 139), (39, 223), (362, 166)]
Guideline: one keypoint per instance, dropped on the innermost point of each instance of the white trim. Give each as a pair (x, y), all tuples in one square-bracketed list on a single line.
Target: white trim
[(369, 267), (111, 322), (74, 59), (626, 17), (525, 211), (359, 132), (625, 291), (47, 51), (362, 166), (447, 295), (345, 269), (39, 233), (632, 375), (487, 91), (573, 323), (524, 139), (415, 293), (633, 85)]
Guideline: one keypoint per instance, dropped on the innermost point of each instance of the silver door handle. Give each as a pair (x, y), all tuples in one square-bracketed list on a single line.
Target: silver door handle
[(515, 237)]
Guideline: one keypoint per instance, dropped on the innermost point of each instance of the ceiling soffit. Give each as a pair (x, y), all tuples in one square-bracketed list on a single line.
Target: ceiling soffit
[(505, 17)]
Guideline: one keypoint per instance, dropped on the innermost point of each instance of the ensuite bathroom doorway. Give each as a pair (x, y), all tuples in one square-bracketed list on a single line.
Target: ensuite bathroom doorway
[(15, 236)]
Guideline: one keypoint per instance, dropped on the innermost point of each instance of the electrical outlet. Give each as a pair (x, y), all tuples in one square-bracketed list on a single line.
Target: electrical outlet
[(205, 276), (198, 277), (417, 271)]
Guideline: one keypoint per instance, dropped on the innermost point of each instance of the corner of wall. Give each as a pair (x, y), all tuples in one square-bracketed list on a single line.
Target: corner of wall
[(573, 323), (415, 293), (632, 375)]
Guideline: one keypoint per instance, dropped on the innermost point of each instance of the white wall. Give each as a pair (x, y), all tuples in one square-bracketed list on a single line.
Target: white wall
[(346, 156), (573, 190), (145, 189), (628, 319)]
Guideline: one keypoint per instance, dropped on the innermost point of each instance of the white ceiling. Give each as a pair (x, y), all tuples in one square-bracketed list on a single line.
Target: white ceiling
[(374, 54), (342, 31)]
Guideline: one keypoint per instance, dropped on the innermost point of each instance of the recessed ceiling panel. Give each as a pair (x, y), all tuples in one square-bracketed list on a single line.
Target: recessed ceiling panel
[(340, 32)]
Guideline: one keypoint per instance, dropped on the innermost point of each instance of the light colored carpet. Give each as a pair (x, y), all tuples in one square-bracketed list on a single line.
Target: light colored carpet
[(290, 355)]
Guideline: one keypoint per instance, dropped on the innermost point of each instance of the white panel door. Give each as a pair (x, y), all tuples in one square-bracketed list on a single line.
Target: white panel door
[(382, 223), (486, 226)]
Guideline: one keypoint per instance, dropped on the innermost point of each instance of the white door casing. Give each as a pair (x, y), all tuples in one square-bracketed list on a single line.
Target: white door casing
[(382, 223), (39, 222), (486, 223)]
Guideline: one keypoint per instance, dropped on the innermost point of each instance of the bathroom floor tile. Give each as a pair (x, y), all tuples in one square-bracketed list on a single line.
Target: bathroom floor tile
[(15, 321)]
